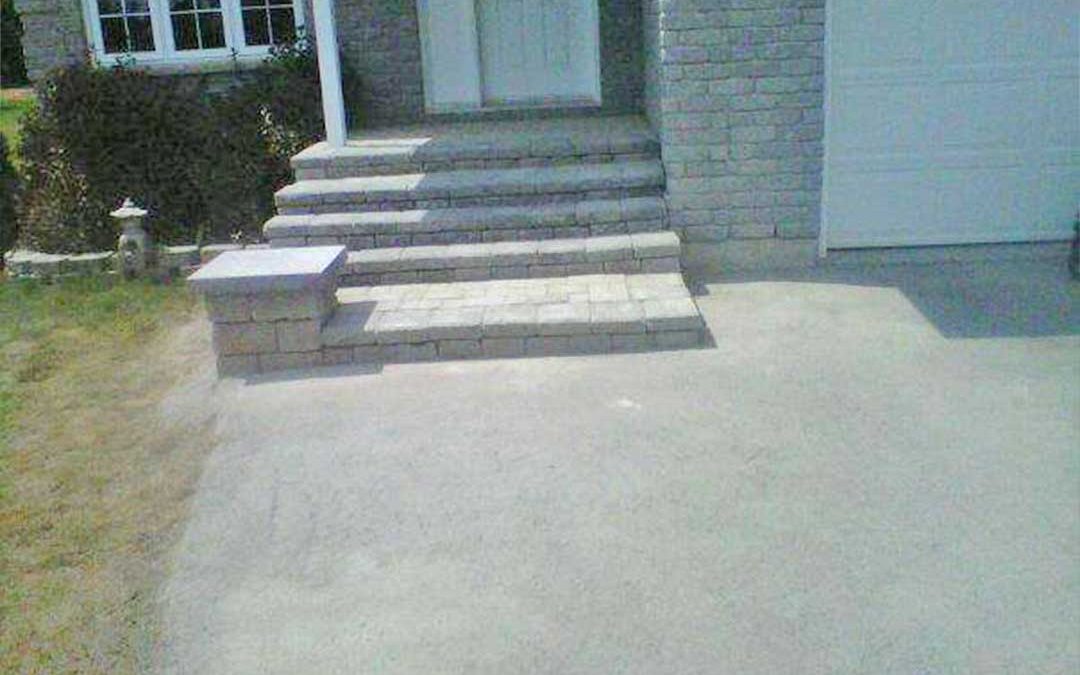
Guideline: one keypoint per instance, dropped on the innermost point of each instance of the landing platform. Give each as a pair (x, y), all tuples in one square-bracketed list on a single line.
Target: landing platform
[(520, 317)]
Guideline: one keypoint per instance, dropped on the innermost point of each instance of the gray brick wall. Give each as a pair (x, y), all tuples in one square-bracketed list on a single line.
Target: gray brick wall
[(735, 89), (53, 34), (380, 42)]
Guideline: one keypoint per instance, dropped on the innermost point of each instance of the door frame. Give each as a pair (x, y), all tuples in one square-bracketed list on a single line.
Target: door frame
[(468, 49)]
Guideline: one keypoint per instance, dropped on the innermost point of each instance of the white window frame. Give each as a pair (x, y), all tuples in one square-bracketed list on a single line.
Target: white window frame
[(165, 51)]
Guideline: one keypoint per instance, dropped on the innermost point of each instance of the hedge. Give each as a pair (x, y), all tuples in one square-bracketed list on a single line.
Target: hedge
[(204, 160), (8, 187)]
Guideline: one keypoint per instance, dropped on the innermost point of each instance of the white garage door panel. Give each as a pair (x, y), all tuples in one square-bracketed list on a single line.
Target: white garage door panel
[(951, 122)]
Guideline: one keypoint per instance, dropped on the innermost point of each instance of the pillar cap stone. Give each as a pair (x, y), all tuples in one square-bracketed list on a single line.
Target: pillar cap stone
[(270, 270)]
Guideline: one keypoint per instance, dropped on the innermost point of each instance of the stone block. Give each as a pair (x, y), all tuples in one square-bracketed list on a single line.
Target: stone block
[(547, 346), (460, 349), (298, 336), (617, 317), (563, 319), (408, 353), (291, 305), (589, 344), (237, 365), (659, 265), (633, 343), (337, 356), (244, 338), (288, 242), (514, 320), (671, 314), (509, 347), (678, 339), (230, 308), (270, 270), (291, 361)]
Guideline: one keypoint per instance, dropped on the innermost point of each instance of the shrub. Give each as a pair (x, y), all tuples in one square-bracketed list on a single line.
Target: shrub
[(8, 186), (12, 64), (204, 162)]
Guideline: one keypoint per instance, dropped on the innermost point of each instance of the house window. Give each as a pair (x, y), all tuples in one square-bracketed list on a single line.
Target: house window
[(197, 24), (125, 26), (268, 22), (189, 30)]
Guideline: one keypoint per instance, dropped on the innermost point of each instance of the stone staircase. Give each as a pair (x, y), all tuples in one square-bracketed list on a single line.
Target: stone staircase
[(493, 239)]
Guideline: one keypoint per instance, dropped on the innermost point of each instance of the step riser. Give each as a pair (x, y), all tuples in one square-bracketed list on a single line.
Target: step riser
[(344, 168), (361, 203), (511, 347), (393, 237), (477, 349), (533, 271)]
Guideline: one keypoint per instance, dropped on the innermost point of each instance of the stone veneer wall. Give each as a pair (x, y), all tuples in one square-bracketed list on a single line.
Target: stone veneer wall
[(380, 40), (53, 34), (735, 89)]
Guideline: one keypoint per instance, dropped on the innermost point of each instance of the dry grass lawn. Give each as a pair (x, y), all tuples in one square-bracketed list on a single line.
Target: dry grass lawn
[(94, 473)]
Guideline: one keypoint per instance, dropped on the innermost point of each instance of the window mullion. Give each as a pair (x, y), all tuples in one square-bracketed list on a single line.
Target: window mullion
[(234, 38), (163, 34)]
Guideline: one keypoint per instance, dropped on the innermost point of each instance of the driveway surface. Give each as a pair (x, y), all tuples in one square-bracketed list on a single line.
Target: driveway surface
[(873, 471)]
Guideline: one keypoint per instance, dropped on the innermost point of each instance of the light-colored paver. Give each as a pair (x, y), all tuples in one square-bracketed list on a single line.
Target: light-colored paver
[(358, 193), (868, 474), (570, 307), (514, 259)]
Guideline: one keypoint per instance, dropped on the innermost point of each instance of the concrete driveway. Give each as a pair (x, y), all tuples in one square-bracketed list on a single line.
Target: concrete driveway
[(873, 471)]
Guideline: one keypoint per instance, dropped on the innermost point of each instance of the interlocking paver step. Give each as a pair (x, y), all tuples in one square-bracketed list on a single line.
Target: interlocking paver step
[(577, 314), (488, 144), (628, 253), (421, 227), (533, 185)]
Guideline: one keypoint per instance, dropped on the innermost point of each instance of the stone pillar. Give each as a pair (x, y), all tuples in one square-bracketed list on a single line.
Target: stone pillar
[(268, 306), (736, 93)]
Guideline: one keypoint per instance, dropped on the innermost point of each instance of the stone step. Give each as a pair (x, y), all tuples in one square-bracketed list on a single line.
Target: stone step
[(651, 252), (483, 145), (423, 227), (508, 318), (488, 187)]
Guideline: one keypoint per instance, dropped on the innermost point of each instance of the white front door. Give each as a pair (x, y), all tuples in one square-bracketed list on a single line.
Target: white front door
[(538, 52), (496, 53), (951, 122)]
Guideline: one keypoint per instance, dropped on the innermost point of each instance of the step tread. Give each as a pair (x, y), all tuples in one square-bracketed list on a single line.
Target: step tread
[(577, 306), (563, 251), (474, 183), (466, 218), (486, 140)]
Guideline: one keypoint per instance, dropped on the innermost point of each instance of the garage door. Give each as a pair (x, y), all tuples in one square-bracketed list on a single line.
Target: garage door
[(951, 121)]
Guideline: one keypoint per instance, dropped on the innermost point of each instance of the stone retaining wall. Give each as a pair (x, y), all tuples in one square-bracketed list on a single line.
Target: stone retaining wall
[(22, 263)]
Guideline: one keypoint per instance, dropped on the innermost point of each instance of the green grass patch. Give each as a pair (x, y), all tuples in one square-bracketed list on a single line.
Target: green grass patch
[(12, 110), (89, 482)]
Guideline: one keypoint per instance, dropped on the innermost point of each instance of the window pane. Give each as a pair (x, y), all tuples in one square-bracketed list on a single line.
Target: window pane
[(109, 6), (208, 4), (213, 31), (181, 5), (142, 35), (137, 6), (256, 31), (114, 36), (185, 33), (253, 3), (282, 25)]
